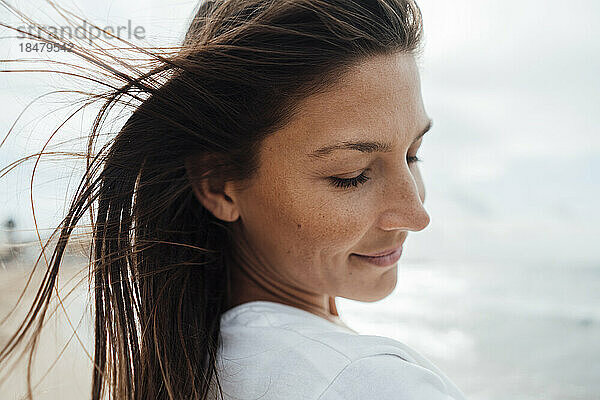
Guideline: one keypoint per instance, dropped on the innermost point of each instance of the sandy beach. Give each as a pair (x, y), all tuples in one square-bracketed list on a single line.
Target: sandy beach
[(69, 374)]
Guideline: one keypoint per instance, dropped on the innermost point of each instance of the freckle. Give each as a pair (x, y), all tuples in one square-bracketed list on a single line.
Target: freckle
[(299, 226)]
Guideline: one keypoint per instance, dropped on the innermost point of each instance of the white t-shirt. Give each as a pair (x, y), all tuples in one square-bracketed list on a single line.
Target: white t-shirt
[(272, 351)]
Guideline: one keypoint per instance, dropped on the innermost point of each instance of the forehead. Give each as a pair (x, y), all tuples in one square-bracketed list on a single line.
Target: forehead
[(379, 98)]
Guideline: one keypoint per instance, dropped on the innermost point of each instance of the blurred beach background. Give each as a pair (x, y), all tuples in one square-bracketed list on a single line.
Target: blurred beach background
[(501, 290)]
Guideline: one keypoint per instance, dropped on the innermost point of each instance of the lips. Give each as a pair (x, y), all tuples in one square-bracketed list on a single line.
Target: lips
[(382, 261), (381, 253)]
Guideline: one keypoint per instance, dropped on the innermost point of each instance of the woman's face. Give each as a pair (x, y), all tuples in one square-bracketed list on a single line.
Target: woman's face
[(301, 230)]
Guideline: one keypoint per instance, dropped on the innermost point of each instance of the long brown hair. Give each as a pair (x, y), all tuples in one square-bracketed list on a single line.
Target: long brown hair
[(159, 259)]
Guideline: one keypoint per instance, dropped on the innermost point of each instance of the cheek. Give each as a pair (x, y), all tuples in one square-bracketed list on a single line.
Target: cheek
[(312, 222), (324, 232), (303, 227), (325, 223)]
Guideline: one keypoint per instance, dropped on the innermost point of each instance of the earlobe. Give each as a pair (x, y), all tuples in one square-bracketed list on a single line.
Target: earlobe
[(210, 192)]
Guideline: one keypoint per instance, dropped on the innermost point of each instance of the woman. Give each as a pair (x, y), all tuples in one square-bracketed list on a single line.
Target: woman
[(272, 169)]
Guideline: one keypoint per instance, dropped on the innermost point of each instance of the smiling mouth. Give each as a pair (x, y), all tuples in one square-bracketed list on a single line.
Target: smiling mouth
[(383, 260), (381, 253)]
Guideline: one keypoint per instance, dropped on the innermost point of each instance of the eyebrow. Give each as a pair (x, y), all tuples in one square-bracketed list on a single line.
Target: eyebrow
[(363, 146)]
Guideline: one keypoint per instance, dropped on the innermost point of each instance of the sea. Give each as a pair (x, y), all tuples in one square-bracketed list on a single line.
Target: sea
[(498, 330)]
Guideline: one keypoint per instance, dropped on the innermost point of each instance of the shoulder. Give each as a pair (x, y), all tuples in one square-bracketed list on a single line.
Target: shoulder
[(297, 356), (287, 363), (259, 327), (387, 377)]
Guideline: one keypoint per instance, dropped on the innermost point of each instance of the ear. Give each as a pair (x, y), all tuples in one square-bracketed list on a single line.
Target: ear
[(215, 195)]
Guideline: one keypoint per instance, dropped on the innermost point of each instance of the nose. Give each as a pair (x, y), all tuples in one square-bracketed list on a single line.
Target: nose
[(402, 206)]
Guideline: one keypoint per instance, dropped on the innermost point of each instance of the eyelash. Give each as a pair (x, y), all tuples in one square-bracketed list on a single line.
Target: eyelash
[(362, 178)]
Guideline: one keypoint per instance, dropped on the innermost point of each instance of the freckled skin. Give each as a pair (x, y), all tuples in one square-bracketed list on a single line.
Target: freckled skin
[(295, 231)]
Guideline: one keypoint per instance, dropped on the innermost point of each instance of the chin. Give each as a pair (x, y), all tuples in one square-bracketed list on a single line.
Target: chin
[(382, 290)]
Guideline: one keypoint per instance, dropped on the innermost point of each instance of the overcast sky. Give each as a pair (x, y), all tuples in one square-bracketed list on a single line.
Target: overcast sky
[(510, 167)]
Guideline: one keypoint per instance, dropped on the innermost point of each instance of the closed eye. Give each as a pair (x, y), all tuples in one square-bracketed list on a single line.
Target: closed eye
[(362, 178), (347, 182)]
